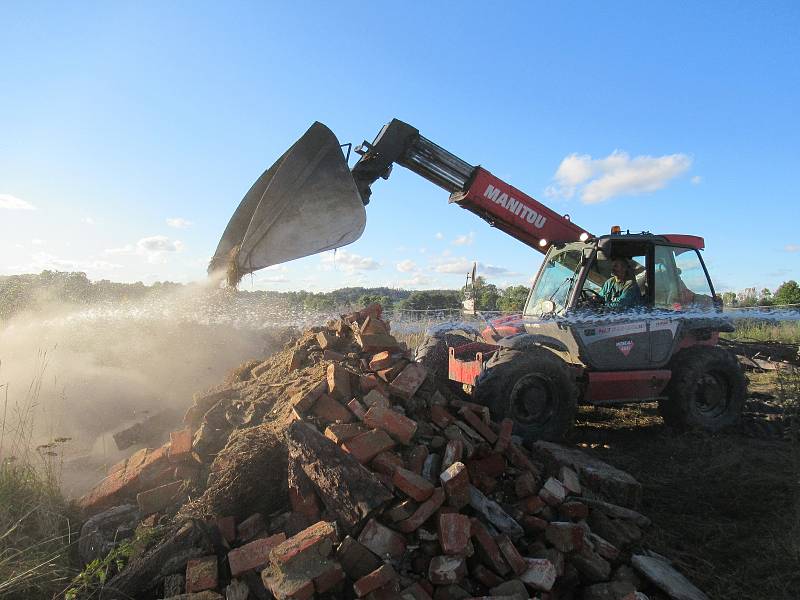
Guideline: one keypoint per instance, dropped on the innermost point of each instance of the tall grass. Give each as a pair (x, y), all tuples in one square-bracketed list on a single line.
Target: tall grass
[(36, 529), (787, 332)]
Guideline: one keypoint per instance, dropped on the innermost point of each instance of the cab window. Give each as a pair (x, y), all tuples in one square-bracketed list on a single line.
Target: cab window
[(680, 280)]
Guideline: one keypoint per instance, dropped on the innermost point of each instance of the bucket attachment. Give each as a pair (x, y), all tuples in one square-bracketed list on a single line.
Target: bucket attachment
[(305, 203)]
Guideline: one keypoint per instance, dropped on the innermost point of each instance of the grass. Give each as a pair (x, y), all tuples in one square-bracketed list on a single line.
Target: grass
[(37, 528), (787, 332)]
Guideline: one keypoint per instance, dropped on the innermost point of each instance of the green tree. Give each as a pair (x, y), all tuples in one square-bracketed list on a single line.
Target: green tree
[(787, 293), (513, 298), (729, 298), (431, 300)]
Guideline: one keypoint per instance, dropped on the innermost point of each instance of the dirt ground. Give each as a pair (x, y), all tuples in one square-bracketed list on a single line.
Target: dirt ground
[(725, 507)]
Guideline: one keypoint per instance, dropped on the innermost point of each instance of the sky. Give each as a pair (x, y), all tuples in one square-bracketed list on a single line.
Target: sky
[(129, 131)]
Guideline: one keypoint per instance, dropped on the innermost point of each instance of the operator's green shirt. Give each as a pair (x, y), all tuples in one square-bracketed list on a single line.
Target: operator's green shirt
[(621, 294)]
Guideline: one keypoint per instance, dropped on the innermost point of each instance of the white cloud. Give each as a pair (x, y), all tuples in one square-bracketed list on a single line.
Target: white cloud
[(494, 271), (617, 174), (696, 180), (792, 247), (418, 280), (10, 202), (155, 248), (349, 262), (439, 235), (88, 221), (457, 265), (179, 223), (38, 242), (44, 260), (406, 266), (464, 240)]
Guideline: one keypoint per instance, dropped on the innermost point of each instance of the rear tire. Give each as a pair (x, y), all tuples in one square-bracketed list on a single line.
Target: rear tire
[(534, 388), (707, 390)]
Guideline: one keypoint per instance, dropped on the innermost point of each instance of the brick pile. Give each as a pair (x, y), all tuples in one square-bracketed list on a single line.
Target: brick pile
[(396, 492)]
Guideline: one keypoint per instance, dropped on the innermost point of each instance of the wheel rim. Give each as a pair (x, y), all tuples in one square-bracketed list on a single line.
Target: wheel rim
[(712, 395), (532, 400)]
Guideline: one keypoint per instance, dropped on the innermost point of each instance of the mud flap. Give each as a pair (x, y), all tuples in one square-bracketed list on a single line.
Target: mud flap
[(305, 203)]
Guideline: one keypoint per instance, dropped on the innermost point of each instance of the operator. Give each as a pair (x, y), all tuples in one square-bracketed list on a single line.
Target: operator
[(621, 290)]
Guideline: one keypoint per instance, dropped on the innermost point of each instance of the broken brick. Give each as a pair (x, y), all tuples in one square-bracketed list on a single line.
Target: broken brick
[(328, 409), (326, 339), (446, 570), (454, 532), (375, 398), (532, 505), (157, 499), (251, 527), (455, 481), (423, 513), (478, 425), (377, 579), (417, 458), (440, 416), (573, 510), (509, 551), (490, 467), (341, 432), (202, 574), (357, 408), (553, 492), (310, 545), (386, 463), (541, 574), (355, 558), (565, 536), (406, 384), (504, 435), (569, 478), (303, 401), (487, 549), (400, 427), (412, 485), (338, 382), (526, 485), (453, 452), (180, 445), (253, 556), (382, 360), (368, 445), (382, 541), (329, 578)]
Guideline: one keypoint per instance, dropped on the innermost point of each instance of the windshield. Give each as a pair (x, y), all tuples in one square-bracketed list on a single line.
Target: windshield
[(555, 281)]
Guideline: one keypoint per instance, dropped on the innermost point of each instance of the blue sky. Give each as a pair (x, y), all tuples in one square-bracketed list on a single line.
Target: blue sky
[(130, 131)]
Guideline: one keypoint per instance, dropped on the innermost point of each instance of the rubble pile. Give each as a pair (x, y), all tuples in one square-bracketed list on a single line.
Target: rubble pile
[(337, 469)]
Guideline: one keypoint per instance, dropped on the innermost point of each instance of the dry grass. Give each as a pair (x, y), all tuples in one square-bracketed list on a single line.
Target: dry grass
[(724, 506)]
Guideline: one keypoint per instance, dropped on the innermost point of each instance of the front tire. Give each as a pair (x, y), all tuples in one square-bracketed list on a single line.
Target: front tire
[(707, 390), (534, 388)]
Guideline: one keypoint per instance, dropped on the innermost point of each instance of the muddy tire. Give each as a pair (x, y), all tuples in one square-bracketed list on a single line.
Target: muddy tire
[(706, 391), (534, 388), (433, 354)]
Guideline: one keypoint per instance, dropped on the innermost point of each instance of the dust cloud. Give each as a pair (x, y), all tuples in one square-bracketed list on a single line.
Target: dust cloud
[(87, 372)]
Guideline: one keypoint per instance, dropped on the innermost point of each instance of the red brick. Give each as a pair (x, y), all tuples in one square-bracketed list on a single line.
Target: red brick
[(520, 459), (454, 530), (303, 401), (302, 497), (526, 485), (406, 384), (453, 452), (327, 339), (416, 458), (604, 548), (377, 579), (533, 525), (532, 505), (253, 556), (332, 355), (329, 579), (309, 546), (541, 574), (402, 511), (381, 360), (478, 425), (368, 445), (297, 359), (355, 558), (388, 375), (386, 463), (570, 480), (328, 409), (423, 513), (441, 417), (382, 541), (490, 466), (180, 445), (369, 382), (573, 510), (202, 574), (338, 382), (251, 527), (375, 325), (415, 592), (455, 481), (447, 570), (357, 408), (289, 588), (565, 536), (504, 435), (375, 398), (374, 311), (341, 432), (372, 343), (412, 485), (487, 549), (509, 551), (486, 577), (227, 528), (400, 427), (157, 499)]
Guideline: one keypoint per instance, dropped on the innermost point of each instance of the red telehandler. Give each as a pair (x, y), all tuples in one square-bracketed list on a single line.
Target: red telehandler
[(566, 347)]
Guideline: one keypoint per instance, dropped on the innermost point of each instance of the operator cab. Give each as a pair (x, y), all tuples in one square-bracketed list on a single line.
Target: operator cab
[(666, 273)]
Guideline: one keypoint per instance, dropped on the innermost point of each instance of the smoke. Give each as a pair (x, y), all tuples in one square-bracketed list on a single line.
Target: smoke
[(86, 372)]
